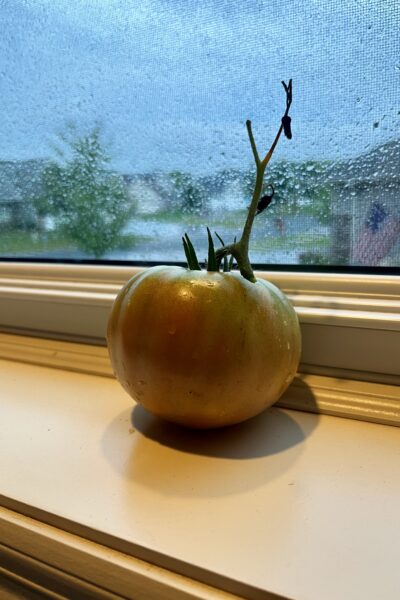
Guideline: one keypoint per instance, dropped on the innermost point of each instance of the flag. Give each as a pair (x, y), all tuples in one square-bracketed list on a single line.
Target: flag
[(378, 236)]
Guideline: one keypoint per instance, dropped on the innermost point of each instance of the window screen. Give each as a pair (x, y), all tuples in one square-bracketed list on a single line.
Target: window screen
[(123, 127)]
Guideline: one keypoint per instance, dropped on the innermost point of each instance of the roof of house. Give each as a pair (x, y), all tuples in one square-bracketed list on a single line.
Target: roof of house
[(378, 166)]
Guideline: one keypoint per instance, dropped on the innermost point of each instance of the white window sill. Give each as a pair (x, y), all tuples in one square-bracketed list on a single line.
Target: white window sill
[(291, 504)]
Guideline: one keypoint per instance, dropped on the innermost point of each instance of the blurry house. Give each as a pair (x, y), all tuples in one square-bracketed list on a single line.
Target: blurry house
[(150, 193), (366, 207), (225, 189), (20, 185)]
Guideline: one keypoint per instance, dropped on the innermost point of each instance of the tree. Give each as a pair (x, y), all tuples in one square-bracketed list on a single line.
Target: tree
[(190, 196), (90, 203)]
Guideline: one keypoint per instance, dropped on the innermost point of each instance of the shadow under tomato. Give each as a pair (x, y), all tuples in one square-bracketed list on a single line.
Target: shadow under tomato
[(270, 432), (177, 461)]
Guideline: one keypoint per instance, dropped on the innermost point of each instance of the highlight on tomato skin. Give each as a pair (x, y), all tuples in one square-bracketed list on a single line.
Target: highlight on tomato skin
[(209, 347)]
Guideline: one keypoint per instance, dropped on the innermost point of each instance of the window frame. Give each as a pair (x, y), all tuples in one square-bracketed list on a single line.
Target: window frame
[(350, 323)]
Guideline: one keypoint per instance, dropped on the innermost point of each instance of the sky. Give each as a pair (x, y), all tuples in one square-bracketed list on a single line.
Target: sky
[(172, 82)]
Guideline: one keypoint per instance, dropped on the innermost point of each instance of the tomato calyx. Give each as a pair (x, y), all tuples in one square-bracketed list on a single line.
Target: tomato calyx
[(239, 250), (190, 253)]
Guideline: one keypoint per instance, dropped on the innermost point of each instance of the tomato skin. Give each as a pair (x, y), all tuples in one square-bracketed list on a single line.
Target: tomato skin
[(203, 349)]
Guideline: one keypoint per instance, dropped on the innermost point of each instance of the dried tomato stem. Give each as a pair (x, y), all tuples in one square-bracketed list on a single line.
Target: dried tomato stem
[(252, 142), (240, 249)]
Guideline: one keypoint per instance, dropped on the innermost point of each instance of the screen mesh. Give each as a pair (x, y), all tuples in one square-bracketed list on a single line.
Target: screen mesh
[(123, 127)]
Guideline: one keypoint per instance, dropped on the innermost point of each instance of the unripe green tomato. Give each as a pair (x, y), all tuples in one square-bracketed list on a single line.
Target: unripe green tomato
[(203, 349)]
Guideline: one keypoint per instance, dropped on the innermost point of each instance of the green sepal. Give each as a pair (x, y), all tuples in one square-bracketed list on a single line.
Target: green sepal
[(230, 265), (190, 252), (187, 253), (220, 239), (226, 265), (212, 260), (219, 260)]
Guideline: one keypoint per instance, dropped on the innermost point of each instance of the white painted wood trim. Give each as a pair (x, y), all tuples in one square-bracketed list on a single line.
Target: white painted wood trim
[(354, 399), (367, 293), (292, 282), (82, 358), (357, 399), (349, 322), (64, 565)]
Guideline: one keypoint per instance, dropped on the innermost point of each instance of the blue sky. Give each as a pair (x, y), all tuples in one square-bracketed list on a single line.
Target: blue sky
[(173, 81)]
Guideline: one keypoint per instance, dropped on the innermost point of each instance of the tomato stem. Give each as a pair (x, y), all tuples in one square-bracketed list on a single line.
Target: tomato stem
[(240, 250)]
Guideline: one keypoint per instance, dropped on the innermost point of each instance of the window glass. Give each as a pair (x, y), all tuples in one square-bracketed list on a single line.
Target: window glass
[(123, 127)]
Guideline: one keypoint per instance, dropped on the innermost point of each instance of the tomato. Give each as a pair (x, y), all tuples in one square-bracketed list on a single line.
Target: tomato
[(200, 348), (207, 348)]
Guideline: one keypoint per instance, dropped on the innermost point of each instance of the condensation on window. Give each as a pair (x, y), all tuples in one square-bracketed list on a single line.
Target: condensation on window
[(123, 127)]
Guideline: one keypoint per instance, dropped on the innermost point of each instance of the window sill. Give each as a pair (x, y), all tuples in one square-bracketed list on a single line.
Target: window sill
[(357, 399), (350, 323), (290, 504)]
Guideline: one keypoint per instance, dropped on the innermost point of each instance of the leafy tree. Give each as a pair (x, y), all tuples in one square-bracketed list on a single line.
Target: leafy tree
[(91, 204), (191, 198)]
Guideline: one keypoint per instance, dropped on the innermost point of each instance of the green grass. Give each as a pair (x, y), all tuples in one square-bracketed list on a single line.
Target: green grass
[(129, 241), (301, 241), (233, 219), (27, 243), (23, 242), (175, 217)]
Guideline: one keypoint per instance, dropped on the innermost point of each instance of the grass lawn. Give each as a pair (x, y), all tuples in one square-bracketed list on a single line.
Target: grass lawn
[(23, 242), (233, 219), (27, 243), (301, 241), (230, 219)]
